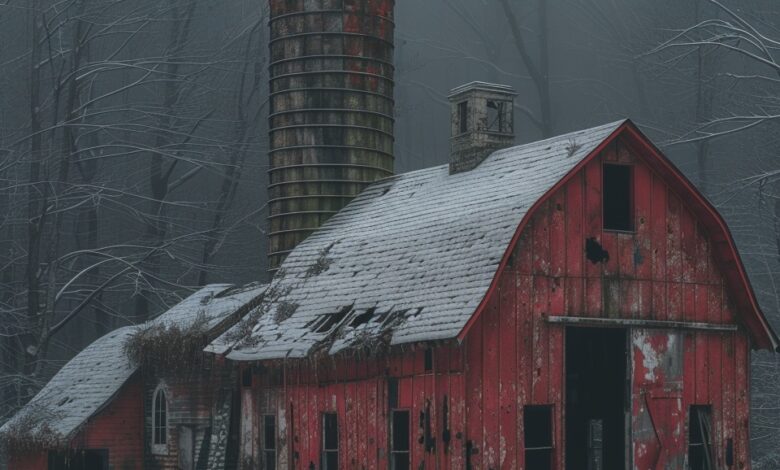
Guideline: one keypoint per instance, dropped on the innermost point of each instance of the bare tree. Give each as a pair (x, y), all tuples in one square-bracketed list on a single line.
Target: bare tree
[(746, 76), (121, 184)]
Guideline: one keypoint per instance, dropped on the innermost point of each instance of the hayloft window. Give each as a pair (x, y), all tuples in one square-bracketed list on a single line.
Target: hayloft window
[(268, 450), (159, 420), (537, 427), (330, 441), (618, 197), (699, 438), (428, 360), (400, 444), (463, 117)]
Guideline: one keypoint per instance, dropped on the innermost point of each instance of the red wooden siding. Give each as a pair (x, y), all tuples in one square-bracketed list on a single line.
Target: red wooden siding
[(513, 356), (118, 428)]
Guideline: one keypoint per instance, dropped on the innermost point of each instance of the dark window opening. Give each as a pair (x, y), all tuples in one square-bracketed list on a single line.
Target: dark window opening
[(617, 198), (596, 398), (537, 426), (463, 117), (699, 438), (400, 444), (496, 117), (160, 418), (392, 392), (428, 360), (246, 377), (362, 318), (269, 442), (86, 459), (330, 441)]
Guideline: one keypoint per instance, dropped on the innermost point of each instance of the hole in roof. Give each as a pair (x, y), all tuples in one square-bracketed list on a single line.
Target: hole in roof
[(63, 401), (363, 318), (326, 322)]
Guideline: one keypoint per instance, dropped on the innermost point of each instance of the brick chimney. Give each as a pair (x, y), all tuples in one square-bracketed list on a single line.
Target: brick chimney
[(482, 122)]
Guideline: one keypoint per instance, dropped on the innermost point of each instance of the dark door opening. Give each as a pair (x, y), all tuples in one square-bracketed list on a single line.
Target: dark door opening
[(82, 459), (595, 398)]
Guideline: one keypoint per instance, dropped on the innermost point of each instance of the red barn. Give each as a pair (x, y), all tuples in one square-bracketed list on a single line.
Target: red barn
[(573, 303), (167, 407)]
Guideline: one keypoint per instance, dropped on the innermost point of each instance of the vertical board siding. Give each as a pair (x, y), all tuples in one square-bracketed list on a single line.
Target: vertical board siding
[(513, 357)]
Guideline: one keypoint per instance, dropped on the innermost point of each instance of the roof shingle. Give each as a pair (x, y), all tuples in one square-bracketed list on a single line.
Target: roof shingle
[(411, 257)]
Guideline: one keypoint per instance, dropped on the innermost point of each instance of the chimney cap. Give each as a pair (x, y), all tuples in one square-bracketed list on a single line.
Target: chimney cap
[(482, 86)]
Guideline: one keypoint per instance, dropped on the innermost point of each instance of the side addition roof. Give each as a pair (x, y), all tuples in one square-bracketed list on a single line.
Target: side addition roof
[(413, 257), (89, 381)]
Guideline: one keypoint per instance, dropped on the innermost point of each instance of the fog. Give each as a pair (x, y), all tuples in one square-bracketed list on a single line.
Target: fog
[(133, 141)]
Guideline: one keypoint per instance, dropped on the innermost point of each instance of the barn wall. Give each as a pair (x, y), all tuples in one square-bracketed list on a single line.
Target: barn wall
[(358, 391), (663, 271), (198, 411), (31, 461), (118, 428), (513, 356)]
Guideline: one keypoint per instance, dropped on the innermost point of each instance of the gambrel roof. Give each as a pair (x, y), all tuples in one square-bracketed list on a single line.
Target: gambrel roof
[(89, 381), (414, 256)]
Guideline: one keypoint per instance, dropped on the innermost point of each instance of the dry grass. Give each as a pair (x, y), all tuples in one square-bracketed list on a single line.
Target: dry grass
[(30, 432), (168, 348)]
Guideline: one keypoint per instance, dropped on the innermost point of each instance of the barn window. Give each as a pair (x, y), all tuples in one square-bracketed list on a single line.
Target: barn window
[(330, 441), (268, 450), (537, 427), (246, 377), (617, 198), (400, 444), (159, 420), (699, 437), (463, 117), (428, 360)]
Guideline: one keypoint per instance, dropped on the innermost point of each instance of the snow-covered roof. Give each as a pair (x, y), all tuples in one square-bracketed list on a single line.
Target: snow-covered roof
[(91, 379), (410, 258)]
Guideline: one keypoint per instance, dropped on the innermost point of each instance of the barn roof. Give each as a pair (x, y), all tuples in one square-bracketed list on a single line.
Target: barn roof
[(413, 257), (92, 378)]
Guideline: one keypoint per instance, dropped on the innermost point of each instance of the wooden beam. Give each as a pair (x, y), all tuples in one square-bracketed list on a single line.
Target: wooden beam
[(638, 323)]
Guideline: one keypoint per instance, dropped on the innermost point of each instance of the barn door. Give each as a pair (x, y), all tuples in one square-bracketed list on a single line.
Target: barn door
[(657, 418)]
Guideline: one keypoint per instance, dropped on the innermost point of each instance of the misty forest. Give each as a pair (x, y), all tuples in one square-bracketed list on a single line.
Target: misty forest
[(134, 142)]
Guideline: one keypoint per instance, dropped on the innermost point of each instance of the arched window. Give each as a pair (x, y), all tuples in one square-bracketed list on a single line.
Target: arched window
[(159, 420)]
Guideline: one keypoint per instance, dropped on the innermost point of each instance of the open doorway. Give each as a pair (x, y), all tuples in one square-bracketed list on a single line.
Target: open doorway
[(596, 398), (81, 459)]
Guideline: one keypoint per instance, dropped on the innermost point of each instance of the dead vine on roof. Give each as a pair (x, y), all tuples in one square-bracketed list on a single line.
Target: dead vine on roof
[(31, 432), (168, 347)]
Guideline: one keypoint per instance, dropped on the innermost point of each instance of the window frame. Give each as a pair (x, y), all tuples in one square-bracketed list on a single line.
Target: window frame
[(160, 448), (547, 449), (325, 451), (264, 450), (393, 450), (631, 197)]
